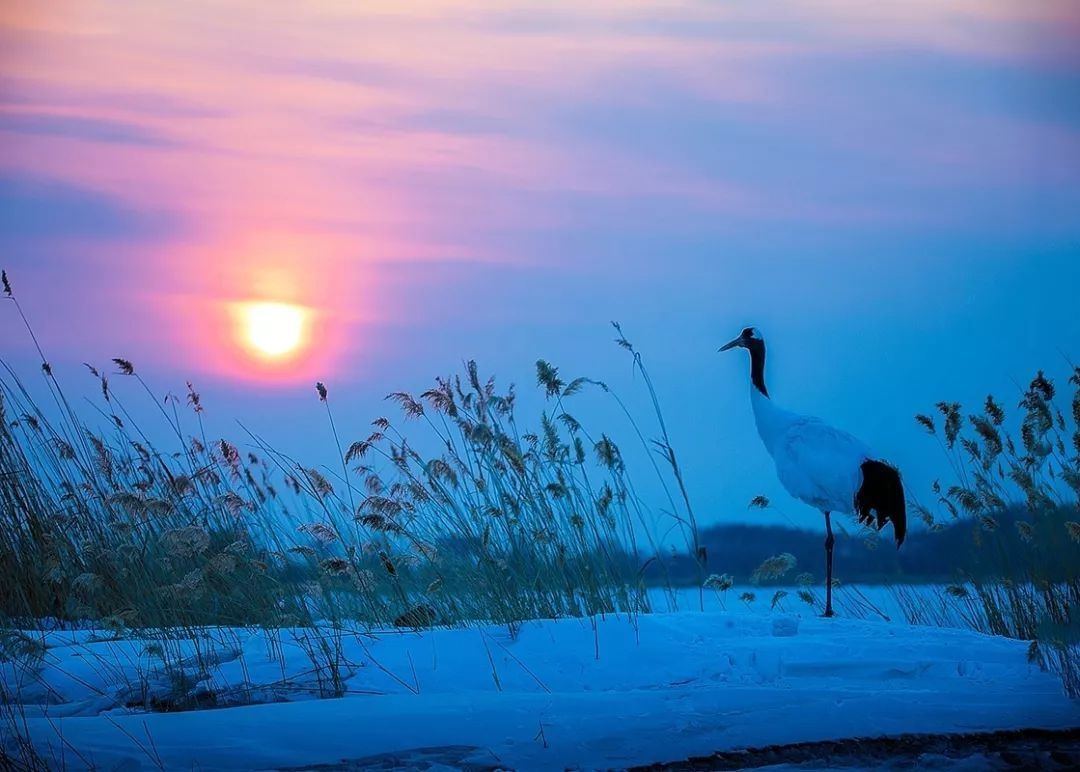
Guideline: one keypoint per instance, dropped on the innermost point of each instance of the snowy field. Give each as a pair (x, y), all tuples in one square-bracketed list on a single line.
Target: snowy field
[(607, 693)]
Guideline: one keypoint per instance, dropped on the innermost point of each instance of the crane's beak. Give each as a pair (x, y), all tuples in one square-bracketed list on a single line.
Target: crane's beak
[(733, 344)]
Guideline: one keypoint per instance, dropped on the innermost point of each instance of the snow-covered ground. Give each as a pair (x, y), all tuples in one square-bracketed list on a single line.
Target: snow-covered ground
[(604, 693)]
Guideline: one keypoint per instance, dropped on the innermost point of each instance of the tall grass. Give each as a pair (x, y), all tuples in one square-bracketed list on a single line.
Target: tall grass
[(1031, 463), (509, 521)]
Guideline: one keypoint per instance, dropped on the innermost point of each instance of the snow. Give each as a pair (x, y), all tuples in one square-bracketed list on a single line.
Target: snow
[(579, 693)]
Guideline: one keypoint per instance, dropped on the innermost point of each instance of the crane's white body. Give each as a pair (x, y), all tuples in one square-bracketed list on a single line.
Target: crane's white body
[(828, 469), (816, 463)]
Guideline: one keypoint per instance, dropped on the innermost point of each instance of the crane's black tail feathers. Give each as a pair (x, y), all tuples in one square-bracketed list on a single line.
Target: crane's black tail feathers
[(882, 492)]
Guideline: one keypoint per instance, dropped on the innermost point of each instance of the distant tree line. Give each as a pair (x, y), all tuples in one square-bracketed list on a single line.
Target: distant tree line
[(973, 548)]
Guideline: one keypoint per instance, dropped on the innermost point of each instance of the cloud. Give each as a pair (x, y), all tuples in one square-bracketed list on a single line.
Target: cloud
[(39, 208), (351, 71), (33, 93), (83, 128)]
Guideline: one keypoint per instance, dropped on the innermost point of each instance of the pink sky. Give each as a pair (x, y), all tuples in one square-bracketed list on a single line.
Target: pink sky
[(430, 182)]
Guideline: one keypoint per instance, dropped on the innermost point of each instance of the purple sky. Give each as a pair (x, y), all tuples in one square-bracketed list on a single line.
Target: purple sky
[(888, 190)]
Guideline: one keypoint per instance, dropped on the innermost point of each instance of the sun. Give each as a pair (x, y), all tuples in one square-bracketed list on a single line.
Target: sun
[(273, 330)]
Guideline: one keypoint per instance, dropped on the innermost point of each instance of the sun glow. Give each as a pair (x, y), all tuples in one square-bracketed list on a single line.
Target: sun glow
[(273, 330)]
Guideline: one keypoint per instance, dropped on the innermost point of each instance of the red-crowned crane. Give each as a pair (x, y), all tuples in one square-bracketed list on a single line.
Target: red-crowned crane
[(828, 469)]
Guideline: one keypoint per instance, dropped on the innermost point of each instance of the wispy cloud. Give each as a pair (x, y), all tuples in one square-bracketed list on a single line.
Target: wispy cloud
[(44, 209), (82, 128), (336, 139)]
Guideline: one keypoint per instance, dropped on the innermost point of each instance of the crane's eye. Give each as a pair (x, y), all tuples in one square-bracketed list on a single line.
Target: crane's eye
[(748, 332)]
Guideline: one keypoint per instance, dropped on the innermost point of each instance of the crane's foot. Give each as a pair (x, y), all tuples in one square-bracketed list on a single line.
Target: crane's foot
[(828, 613)]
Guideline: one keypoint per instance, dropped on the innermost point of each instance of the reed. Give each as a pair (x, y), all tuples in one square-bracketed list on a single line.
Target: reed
[(1030, 463), (160, 533)]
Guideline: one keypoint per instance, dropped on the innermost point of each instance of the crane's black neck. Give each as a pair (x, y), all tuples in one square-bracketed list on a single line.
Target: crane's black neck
[(756, 348)]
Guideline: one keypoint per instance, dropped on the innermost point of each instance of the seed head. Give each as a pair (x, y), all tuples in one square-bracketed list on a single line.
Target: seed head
[(720, 582), (126, 368)]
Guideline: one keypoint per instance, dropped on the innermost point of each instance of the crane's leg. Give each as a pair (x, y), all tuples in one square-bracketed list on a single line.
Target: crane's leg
[(829, 541)]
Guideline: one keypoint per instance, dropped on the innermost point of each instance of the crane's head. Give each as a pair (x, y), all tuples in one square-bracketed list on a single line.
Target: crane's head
[(750, 338)]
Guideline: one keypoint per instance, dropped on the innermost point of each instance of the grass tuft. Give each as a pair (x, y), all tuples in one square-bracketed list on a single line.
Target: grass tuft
[(1002, 466)]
